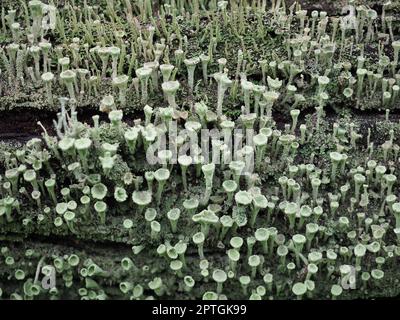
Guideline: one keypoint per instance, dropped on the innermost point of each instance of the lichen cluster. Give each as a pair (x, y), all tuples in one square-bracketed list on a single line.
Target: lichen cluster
[(307, 206)]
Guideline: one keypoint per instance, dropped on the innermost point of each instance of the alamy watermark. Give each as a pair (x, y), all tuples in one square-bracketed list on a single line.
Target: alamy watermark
[(349, 279), (48, 281), (218, 146), (350, 20)]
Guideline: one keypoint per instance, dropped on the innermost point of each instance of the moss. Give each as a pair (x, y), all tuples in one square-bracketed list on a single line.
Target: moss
[(107, 244)]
